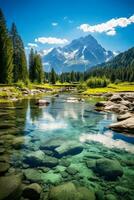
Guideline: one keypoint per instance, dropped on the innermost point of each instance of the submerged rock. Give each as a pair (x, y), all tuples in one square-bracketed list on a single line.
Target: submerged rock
[(51, 144), (50, 161), (35, 158), (32, 175), (121, 190), (110, 197), (68, 191), (91, 164), (32, 191), (4, 167), (51, 178), (126, 126), (71, 171), (10, 187), (109, 169), (68, 148), (20, 141)]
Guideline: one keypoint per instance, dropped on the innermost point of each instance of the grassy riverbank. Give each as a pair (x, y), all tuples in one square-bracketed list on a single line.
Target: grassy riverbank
[(9, 93), (121, 87)]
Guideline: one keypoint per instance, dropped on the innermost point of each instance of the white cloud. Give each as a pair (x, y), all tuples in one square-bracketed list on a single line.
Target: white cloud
[(112, 32), (32, 45), (107, 140), (54, 24), (109, 26), (51, 40)]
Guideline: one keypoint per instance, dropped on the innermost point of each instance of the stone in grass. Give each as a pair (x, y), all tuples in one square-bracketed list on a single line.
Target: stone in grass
[(71, 170), (68, 148), (68, 191), (4, 167), (32, 191), (109, 169), (10, 187)]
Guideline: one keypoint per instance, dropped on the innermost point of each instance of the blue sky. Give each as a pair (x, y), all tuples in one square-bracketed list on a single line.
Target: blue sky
[(54, 22)]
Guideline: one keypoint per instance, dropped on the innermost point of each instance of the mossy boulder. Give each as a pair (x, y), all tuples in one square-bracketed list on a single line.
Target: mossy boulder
[(4, 167), (68, 148), (68, 191), (10, 187), (109, 169), (35, 158), (20, 142)]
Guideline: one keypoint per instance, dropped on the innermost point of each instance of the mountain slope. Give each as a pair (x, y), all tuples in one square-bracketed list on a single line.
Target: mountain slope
[(79, 55), (121, 67)]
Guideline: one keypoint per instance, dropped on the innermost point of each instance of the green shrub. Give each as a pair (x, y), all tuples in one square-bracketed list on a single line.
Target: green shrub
[(82, 86), (20, 84), (97, 82)]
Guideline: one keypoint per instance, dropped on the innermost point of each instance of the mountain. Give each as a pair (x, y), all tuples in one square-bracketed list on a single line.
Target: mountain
[(79, 55), (119, 68)]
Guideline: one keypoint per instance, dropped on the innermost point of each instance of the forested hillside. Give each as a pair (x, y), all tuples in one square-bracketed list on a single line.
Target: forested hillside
[(119, 68)]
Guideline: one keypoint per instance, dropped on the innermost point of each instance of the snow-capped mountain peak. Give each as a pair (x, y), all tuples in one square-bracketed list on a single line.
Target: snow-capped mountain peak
[(79, 55)]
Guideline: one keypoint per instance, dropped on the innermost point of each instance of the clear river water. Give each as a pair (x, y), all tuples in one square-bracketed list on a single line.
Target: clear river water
[(63, 142)]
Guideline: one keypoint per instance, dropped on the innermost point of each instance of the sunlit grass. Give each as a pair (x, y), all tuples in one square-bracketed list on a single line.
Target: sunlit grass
[(122, 87)]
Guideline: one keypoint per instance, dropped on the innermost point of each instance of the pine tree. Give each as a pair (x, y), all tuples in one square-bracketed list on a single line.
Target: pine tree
[(6, 53), (53, 76), (38, 69), (19, 57), (31, 66)]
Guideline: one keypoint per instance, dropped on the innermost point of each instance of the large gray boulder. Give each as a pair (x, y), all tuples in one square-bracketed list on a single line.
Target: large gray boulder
[(10, 187), (116, 98), (118, 108), (68, 148), (124, 116), (125, 126), (109, 169), (68, 191)]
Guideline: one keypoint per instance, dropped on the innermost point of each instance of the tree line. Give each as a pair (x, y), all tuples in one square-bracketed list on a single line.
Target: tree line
[(13, 62)]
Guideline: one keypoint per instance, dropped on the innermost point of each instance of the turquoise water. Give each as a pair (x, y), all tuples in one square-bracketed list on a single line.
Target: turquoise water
[(67, 125)]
